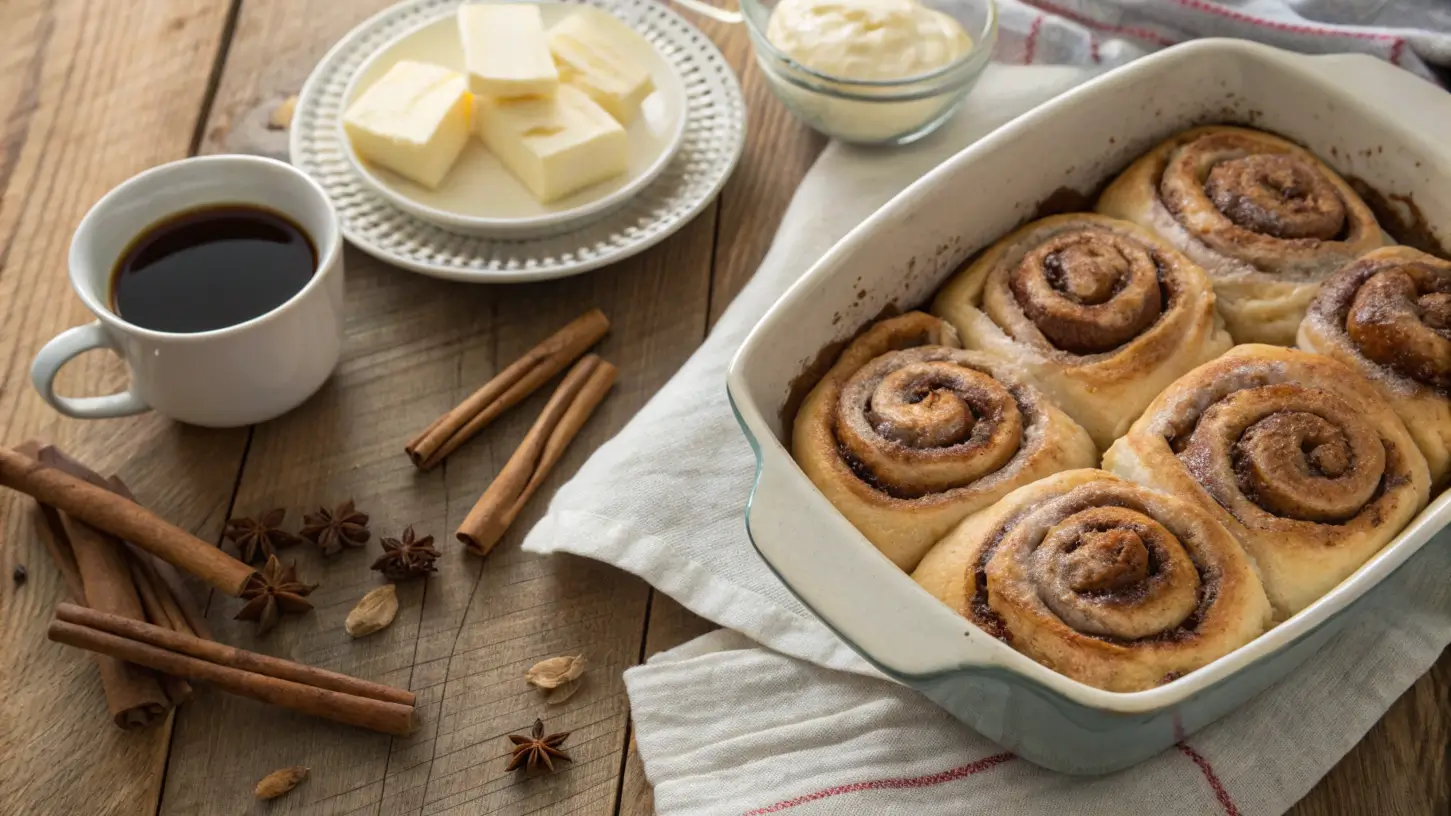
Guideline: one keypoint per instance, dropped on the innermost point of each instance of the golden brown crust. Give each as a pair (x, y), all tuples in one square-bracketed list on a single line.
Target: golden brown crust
[(1265, 218), (1388, 316), (908, 433), (1100, 312), (1294, 453), (1105, 581)]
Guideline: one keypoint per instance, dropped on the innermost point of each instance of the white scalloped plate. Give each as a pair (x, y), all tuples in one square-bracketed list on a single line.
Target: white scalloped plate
[(480, 196), (715, 129)]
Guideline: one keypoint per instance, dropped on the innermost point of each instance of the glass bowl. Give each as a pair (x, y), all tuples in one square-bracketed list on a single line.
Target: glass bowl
[(877, 111)]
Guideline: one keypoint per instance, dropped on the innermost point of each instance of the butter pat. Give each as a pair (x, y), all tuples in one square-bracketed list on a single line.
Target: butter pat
[(414, 121), (555, 146), (505, 50), (592, 53)]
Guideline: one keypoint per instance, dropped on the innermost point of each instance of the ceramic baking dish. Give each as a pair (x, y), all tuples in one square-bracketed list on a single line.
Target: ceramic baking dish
[(1368, 119)]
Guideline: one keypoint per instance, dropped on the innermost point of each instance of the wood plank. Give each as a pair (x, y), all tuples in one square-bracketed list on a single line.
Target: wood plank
[(274, 48), (90, 93), (465, 637), (779, 151), (637, 797), (1403, 765)]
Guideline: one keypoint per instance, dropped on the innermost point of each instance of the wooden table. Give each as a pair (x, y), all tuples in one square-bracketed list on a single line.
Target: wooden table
[(93, 92)]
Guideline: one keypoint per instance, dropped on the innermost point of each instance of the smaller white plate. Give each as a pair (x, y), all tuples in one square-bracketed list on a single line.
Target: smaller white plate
[(480, 196)]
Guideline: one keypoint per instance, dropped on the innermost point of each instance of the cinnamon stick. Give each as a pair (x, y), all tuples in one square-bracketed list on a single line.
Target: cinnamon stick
[(172, 590), (230, 656), (366, 712), (60, 550), (505, 390), (156, 599), (55, 538), (111, 513), (389, 718), (105, 572), (177, 689), (129, 698), (566, 412), (171, 595), (175, 598), (96, 571), (122, 578), (134, 695)]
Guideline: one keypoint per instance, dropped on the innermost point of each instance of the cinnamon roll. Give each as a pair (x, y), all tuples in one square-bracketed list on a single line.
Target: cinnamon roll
[(1388, 316), (1108, 582), (1101, 313), (1265, 218), (908, 433), (1294, 453)]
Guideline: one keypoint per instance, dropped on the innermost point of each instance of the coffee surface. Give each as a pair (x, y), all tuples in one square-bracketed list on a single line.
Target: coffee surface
[(210, 268)]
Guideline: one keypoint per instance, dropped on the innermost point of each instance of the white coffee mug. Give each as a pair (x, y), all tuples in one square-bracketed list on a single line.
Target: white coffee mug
[(237, 375)]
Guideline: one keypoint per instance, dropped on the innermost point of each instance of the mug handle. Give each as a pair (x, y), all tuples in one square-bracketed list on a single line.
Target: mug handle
[(59, 351), (705, 9)]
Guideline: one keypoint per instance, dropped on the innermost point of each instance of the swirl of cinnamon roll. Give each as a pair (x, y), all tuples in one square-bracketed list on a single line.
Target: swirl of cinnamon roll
[(908, 433), (1388, 316), (1294, 453), (1100, 312), (1263, 216), (1108, 582)]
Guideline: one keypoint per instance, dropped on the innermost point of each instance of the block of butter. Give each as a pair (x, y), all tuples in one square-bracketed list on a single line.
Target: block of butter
[(592, 52), (505, 51), (556, 146), (413, 121)]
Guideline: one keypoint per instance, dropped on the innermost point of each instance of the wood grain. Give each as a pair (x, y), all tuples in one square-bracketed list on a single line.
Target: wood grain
[(1403, 766), (464, 638), (779, 151), (93, 92), (90, 93)]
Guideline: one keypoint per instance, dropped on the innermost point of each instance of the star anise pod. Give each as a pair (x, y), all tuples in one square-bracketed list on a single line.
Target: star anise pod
[(273, 592), (262, 536), (537, 750), (331, 530), (406, 557)]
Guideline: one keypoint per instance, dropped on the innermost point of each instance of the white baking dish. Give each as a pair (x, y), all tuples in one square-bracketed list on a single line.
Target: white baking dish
[(1368, 119)]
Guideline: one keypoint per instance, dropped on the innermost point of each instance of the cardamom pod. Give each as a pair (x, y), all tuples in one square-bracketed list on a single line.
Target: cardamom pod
[(375, 611), (280, 781), (561, 693), (556, 671), (281, 116)]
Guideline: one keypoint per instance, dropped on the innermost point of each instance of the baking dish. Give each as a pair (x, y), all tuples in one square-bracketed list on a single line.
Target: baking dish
[(1368, 119)]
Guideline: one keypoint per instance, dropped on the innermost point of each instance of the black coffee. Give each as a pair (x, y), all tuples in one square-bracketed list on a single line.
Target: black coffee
[(210, 268)]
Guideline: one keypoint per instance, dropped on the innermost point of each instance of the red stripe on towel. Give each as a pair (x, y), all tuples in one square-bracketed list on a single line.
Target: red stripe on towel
[(1397, 44), (1030, 47), (1128, 31), (895, 783), (1213, 779)]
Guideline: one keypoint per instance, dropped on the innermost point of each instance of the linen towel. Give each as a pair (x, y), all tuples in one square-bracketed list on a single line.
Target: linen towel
[(1413, 34)]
